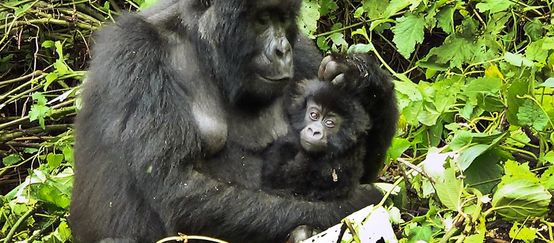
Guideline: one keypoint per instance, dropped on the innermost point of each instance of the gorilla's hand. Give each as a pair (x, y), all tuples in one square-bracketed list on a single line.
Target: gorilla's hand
[(353, 73)]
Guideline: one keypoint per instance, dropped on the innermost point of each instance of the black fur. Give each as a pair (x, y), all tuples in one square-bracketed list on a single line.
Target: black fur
[(329, 174), (167, 91)]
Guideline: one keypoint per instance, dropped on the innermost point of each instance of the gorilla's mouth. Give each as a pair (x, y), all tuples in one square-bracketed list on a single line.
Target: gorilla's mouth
[(274, 80)]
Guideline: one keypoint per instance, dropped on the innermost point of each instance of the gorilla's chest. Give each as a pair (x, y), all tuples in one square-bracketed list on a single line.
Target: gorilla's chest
[(239, 161)]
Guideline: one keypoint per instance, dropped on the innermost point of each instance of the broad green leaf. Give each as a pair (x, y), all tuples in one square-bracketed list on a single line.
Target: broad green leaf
[(529, 113), (534, 29), (549, 157), (517, 60), (484, 172), (408, 31), (454, 51), (515, 171), (39, 112), (11, 159), (548, 43), (480, 144), (445, 19), (548, 83), (547, 178), (54, 160), (450, 189), (147, 4), (494, 6), (39, 98), (360, 48), (409, 89), (399, 145), (535, 52), (522, 232), (338, 40), (520, 199), (375, 8), (395, 6), (417, 233), (327, 6), (518, 88), (309, 15)]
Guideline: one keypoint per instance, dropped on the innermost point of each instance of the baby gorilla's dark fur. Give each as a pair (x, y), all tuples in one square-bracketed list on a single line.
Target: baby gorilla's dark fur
[(321, 158)]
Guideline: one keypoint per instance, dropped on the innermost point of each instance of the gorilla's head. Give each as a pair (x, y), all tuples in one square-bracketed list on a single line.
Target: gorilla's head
[(249, 46)]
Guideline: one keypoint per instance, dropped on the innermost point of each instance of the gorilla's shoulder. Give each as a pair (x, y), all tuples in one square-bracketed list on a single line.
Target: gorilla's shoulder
[(130, 29)]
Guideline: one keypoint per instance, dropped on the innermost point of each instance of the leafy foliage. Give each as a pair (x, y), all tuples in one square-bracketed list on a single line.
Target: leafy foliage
[(474, 83), (473, 158)]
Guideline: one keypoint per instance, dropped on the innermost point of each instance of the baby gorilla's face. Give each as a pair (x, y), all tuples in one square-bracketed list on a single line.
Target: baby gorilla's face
[(319, 124)]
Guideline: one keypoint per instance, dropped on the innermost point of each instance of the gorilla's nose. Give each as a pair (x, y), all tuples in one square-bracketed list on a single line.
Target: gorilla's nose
[(281, 53), (315, 133)]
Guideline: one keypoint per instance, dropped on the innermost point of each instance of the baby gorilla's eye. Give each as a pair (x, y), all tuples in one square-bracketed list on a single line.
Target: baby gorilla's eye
[(329, 123), (314, 115)]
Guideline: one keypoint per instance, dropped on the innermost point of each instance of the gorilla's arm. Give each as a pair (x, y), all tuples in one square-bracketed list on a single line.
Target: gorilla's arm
[(364, 79)]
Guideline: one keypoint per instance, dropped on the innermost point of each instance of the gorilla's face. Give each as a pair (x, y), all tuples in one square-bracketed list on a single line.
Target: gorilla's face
[(252, 43)]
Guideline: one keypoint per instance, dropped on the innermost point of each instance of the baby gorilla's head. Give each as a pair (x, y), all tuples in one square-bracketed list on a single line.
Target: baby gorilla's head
[(328, 119)]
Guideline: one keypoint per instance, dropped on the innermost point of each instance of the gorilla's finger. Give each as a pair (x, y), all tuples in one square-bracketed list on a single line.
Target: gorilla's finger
[(339, 80), (323, 66)]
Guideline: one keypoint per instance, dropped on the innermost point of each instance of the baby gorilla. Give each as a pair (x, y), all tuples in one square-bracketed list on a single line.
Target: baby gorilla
[(321, 157)]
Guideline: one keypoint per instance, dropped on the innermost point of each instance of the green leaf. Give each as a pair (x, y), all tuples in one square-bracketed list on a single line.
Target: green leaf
[(484, 172), (360, 48), (361, 31), (54, 160), (408, 31), (39, 112), (375, 8), (519, 199), (517, 60), (309, 15), (395, 6), (535, 52), (399, 146), (549, 157), (494, 6), (449, 191), (548, 83), (39, 98), (454, 51), (529, 113), (445, 19), (47, 44), (327, 6), (11, 159), (547, 178), (68, 154), (521, 232), (147, 4), (518, 88), (515, 171)]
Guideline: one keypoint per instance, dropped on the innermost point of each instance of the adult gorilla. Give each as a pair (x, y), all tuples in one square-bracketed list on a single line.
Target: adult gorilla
[(167, 90)]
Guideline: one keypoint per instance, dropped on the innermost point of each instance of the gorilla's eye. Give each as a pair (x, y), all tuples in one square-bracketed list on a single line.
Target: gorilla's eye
[(329, 123), (314, 116), (263, 19)]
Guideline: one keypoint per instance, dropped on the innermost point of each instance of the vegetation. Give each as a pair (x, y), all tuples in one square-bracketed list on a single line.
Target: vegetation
[(473, 159)]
